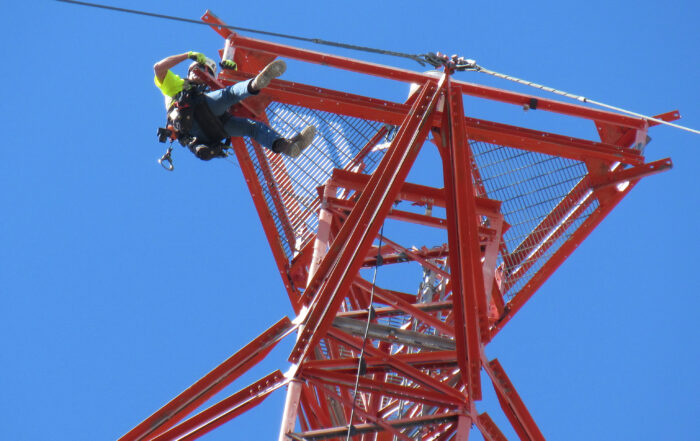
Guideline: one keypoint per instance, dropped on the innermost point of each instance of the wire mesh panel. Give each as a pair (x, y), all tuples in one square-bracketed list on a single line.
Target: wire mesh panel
[(294, 182), (532, 187)]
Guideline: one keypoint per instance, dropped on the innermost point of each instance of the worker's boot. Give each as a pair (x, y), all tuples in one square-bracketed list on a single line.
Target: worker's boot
[(293, 146), (271, 71)]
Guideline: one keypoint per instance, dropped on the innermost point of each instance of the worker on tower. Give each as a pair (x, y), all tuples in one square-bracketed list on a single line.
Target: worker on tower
[(200, 116)]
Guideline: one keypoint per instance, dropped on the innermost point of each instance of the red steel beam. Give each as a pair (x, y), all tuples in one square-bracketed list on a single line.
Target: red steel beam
[(389, 257), (357, 164), (415, 77), (416, 257), (225, 410), (211, 384), (419, 395), (368, 417), (268, 224), (557, 232), (406, 216), (414, 192), (512, 404), (549, 143), (375, 401), (426, 420), (488, 428), (414, 120), (405, 306), (402, 367), (562, 254), (349, 248), (342, 103), (490, 261), (633, 173), (317, 415), (327, 100), (419, 360), (545, 227), (388, 311), (464, 425), (466, 277), (271, 182)]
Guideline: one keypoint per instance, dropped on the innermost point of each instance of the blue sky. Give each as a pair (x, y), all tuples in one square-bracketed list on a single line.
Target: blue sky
[(122, 284)]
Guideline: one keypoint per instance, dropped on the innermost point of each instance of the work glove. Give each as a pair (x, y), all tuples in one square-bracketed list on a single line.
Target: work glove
[(229, 64), (196, 56)]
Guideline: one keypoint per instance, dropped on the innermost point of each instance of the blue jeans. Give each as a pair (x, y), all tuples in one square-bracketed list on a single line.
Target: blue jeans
[(219, 102)]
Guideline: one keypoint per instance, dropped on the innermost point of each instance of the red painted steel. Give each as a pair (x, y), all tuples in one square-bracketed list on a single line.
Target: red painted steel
[(479, 130), (414, 77), (362, 225), (428, 397), (467, 286), (211, 384), (268, 224), (405, 306), (489, 429), (560, 256), (511, 402), (633, 173), (425, 355), (225, 410), (275, 193)]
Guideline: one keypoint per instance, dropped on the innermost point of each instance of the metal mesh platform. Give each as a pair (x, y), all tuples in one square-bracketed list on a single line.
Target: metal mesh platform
[(338, 142), (530, 186)]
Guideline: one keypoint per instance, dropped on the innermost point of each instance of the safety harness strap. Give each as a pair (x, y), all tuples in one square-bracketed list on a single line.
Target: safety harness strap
[(212, 125)]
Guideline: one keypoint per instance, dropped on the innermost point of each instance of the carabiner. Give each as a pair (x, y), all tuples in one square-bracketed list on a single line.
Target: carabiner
[(167, 159)]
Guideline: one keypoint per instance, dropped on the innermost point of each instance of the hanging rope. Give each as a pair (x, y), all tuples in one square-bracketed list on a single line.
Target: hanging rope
[(361, 365)]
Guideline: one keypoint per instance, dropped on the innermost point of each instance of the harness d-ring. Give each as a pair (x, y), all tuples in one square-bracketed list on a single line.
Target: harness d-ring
[(166, 161)]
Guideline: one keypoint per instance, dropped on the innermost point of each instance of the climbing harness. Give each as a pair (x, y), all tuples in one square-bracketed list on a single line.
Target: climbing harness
[(189, 106)]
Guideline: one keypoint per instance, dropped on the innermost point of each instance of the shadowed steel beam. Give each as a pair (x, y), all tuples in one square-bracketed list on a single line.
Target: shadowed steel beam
[(395, 335), (360, 429), (388, 311)]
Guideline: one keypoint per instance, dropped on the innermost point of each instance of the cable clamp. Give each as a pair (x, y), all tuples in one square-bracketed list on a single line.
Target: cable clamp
[(454, 62)]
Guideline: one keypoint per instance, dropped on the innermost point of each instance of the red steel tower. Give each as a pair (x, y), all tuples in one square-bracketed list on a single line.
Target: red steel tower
[(375, 362)]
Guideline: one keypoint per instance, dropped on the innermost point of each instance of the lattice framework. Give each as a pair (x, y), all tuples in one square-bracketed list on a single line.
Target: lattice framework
[(516, 201)]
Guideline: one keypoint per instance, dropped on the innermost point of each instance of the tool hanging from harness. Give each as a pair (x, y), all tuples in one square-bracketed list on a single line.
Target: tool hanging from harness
[(190, 106)]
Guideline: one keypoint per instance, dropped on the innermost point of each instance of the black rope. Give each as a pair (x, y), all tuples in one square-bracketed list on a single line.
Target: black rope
[(421, 59), (362, 364)]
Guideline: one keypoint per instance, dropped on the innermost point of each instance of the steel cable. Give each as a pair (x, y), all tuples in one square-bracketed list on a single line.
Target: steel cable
[(429, 58), (581, 98), (418, 58), (370, 309)]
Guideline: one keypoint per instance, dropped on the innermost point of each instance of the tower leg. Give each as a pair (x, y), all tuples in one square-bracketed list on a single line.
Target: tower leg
[(464, 424), (291, 404), (291, 407)]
